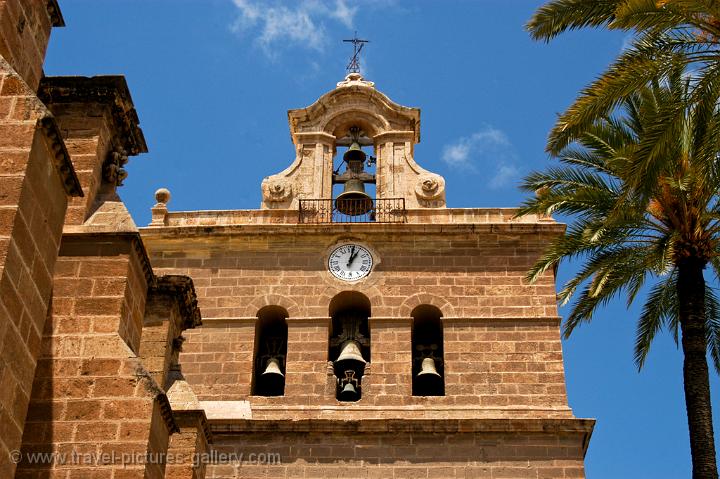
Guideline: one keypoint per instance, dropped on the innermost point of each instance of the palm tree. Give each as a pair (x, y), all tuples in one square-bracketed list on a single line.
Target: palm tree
[(630, 229), (665, 32)]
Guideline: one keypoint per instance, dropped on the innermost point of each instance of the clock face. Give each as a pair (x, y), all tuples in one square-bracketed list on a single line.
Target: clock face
[(350, 262)]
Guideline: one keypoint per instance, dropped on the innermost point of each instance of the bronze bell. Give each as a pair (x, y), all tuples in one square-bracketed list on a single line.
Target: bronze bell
[(348, 393), (353, 201), (428, 367), (350, 357), (273, 368), (354, 157)]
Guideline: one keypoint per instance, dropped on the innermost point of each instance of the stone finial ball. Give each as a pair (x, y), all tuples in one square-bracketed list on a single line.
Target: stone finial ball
[(162, 195)]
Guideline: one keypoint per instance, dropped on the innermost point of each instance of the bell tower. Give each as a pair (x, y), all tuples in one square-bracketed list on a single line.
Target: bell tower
[(357, 116), (356, 326)]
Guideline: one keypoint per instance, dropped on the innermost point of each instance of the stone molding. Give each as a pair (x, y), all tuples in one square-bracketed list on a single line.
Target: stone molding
[(180, 287), (430, 425), (61, 158)]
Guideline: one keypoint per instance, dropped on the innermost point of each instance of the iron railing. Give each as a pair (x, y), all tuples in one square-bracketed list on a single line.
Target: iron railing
[(355, 210)]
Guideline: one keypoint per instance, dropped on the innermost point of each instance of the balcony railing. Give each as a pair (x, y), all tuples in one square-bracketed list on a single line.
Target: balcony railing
[(358, 210)]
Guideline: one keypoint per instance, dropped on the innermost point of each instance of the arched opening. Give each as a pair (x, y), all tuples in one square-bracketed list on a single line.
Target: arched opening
[(354, 180), (428, 367), (270, 352), (349, 342)]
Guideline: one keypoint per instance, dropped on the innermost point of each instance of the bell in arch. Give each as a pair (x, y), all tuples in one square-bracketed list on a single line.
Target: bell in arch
[(350, 357), (354, 157), (272, 379), (273, 368), (349, 387), (427, 367), (349, 393), (428, 381), (353, 201)]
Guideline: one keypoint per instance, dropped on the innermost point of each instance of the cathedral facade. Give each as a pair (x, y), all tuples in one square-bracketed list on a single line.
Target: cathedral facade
[(352, 326)]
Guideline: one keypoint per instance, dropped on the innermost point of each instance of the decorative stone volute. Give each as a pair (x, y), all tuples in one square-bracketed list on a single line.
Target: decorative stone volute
[(392, 129)]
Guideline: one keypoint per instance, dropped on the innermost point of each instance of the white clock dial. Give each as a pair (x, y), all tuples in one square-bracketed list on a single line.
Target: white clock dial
[(350, 262)]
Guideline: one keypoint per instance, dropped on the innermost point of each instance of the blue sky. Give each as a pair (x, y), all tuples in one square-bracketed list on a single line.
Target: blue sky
[(212, 81)]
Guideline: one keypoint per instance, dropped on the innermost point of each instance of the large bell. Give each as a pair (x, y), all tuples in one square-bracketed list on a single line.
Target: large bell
[(273, 367), (350, 358), (353, 201), (348, 393)]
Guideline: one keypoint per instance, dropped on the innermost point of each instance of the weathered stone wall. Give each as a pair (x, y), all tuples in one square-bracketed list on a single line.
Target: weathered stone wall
[(407, 455), (92, 396), (36, 177)]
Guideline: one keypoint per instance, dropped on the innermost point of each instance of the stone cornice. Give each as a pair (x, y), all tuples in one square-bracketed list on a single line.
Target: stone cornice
[(53, 10), (203, 231), (61, 159), (405, 425), (182, 288), (110, 90)]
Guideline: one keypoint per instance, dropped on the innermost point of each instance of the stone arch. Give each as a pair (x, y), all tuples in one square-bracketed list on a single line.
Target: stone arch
[(270, 351), (290, 305), (371, 122), (419, 299)]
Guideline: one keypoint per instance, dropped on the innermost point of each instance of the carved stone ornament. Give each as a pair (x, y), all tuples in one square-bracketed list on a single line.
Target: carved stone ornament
[(113, 171), (430, 187), (276, 191), (353, 79)]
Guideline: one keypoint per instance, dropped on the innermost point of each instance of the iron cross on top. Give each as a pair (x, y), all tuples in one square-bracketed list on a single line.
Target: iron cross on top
[(358, 44)]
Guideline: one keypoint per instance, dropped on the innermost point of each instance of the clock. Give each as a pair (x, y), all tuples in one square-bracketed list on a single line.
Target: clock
[(350, 262)]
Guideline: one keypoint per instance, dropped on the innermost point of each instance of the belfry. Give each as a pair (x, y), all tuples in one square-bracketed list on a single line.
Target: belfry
[(358, 327)]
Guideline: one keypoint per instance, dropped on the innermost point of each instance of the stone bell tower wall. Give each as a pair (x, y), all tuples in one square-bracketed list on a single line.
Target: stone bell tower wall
[(502, 344)]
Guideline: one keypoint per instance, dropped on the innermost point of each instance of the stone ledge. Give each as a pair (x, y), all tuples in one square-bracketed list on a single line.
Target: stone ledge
[(184, 231), (415, 216), (374, 426)]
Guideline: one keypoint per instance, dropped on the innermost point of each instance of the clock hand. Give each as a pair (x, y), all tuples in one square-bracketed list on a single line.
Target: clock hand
[(352, 256)]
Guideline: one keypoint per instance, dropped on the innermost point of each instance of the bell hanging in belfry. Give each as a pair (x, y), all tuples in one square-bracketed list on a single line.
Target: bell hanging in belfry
[(353, 201), (428, 382), (350, 358), (272, 380), (354, 157), (273, 368), (428, 367), (348, 393)]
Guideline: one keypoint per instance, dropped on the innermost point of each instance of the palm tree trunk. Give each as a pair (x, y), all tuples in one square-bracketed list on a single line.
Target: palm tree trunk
[(691, 295)]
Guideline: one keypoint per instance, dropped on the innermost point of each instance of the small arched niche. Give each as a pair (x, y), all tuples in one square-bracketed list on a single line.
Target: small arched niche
[(428, 371), (270, 352), (349, 346)]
